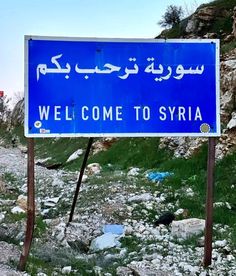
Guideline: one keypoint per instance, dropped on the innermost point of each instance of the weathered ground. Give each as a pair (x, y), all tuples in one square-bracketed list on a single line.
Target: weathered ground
[(106, 198)]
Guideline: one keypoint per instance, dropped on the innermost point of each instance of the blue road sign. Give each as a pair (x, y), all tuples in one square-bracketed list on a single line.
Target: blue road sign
[(102, 87)]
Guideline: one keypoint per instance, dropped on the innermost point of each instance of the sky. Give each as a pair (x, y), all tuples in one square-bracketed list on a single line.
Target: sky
[(73, 18)]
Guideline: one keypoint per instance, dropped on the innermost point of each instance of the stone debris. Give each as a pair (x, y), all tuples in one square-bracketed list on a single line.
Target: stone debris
[(22, 202), (140, 198), (11, 251), (232, 123), (2, 216), (187, 227), (133, 172), (103, 144), (75, 155), (222, 243), (66, 270), (93, 168), (17, 210), (123, 204), (50, 202)]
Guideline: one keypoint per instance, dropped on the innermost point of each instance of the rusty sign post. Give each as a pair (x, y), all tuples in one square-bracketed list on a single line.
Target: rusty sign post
[(209, 202), (30, 205)]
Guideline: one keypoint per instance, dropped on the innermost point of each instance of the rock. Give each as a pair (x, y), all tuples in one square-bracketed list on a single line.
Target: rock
[(6, 270), (140, 198), (229, 38), (210, 35), (187, 227), (207, 13), (23, 149), (232, 122), (93, 168), (145, 268), (179, 212), (51, 202), (230, 258), (66, 270), (230, 63), (75, 155), (191, 25), (79, 245), (227, 100), (17, 210), (222, 243), (133, 172), (2, 216), (3, 186), (124, 271), (201, 21), (103, 144), (22, 202), (11, 252)]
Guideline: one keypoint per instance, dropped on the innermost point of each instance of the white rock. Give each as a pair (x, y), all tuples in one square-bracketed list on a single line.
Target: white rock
[(179, 212), (22, 202), (2, 216), (66, 270), (75, 155), (51, 202), (230, 258), (231, 63), (189, 192), (187, 227), (24, 188), (133, 172), (17, 210), (232, 122), (140, 198), (220, 243), (93, 168)]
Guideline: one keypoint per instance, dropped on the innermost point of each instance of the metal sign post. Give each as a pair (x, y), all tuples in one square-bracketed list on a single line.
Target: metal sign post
[(209, 202), (30, 205), (80, 179)]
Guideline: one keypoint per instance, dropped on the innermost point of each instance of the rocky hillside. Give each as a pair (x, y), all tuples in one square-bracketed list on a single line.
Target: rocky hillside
[(214, 20)]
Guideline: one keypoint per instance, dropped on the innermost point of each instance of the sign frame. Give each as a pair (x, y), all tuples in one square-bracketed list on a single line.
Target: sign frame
[(119, 134)]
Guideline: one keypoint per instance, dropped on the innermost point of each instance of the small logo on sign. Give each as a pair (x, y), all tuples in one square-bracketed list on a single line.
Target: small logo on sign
[(37, 124), (43, 130), (205, 128)]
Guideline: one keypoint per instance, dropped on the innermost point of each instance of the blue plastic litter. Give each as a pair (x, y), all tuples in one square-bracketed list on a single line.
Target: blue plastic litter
[(114, 229), (107, 240), (158, 176)]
